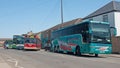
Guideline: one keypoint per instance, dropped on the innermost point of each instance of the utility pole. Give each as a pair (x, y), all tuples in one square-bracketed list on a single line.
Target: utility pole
[(61, 14)]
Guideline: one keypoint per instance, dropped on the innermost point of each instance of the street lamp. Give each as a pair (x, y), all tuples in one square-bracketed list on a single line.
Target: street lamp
[(61, 13)]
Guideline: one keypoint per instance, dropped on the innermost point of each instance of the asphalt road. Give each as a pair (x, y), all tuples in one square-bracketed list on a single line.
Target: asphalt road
[(43, 59)]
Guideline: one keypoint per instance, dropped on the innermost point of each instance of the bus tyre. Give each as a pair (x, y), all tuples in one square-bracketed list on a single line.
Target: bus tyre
[(45, 48), (6, 47), (58, 49), (96, 55), (78, 53), (54, 50)]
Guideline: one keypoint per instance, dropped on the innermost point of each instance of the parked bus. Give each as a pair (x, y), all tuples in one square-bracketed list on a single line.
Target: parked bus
[(19, 40), (9, 44), (32, 44), (88, 37)]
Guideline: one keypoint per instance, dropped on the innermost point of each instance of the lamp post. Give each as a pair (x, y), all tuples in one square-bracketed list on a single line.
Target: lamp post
[(61, 13)]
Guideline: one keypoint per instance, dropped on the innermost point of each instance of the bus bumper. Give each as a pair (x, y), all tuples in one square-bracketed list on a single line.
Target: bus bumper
[(100, 50), (20, 47), (31, 48)]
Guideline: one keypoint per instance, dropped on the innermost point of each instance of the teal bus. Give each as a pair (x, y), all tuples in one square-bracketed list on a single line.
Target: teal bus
[(19, 40), (88, 37)]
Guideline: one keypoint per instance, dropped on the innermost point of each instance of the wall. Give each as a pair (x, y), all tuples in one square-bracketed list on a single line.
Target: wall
[(110, 18), (116, 44), (117, 22)]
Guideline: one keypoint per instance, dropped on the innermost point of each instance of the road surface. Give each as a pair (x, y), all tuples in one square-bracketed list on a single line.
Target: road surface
[(43, 59)]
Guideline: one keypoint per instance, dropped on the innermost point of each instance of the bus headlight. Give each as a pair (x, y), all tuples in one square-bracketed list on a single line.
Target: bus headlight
[(108, 40)]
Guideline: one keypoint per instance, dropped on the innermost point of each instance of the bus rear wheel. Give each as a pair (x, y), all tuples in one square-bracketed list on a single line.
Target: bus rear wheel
[(55, 49), (77, 52), (58, 49), (96, 55)]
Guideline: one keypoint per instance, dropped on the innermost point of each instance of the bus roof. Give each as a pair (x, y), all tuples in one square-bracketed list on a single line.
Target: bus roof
[(96, 22), (86, 21)]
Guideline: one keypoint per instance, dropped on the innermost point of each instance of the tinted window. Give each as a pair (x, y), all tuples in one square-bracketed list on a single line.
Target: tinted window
[(76, 29)]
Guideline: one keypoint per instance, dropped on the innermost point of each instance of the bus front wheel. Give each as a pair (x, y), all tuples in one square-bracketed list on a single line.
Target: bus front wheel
[(78, 53), (96, 55)]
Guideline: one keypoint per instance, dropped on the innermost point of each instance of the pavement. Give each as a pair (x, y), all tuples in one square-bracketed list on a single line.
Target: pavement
[(115, 55), (3, 63)]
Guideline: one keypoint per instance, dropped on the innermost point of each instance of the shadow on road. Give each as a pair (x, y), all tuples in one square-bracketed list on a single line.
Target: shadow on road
[(83, 55)]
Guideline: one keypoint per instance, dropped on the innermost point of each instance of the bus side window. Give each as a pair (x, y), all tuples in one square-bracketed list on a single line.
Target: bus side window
[(27, 41), (85, 33)]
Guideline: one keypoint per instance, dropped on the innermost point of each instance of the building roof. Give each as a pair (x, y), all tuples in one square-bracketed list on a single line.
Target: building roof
[(4, 39), (113, 6), (68, 23), (56, 27)]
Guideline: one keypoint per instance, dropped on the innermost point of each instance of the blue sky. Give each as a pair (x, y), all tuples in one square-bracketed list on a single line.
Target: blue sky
[(21, 16)]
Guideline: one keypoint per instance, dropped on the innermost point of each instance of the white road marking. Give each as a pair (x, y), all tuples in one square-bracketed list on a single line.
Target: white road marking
[(15, 61), (10, 59)]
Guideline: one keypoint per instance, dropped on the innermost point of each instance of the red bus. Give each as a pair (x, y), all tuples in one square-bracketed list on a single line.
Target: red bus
[(32, 44)]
